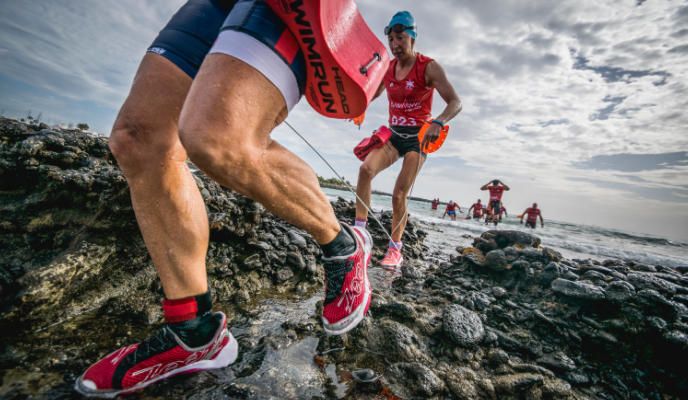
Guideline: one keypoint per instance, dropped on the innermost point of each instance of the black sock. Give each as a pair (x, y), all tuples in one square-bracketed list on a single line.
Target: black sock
[(342, 245), (199, 330)]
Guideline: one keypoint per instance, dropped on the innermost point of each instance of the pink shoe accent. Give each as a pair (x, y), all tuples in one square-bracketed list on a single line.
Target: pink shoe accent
[(392, 259)]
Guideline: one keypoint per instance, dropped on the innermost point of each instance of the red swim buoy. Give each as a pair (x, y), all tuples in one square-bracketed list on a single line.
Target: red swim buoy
[(345, 61)]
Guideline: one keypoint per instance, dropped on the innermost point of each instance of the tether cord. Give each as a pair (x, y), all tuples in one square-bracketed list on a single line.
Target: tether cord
[(367, 207)]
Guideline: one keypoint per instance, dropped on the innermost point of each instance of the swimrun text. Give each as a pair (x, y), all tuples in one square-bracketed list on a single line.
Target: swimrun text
[(315, 60)]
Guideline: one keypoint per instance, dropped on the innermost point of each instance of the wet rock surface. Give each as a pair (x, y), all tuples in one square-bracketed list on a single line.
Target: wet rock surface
[(76, 282)]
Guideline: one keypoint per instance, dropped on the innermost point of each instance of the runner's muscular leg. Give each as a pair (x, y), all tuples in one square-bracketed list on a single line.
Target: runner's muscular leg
[(168, 205), (377, 161), (225, 127), (407, 175)]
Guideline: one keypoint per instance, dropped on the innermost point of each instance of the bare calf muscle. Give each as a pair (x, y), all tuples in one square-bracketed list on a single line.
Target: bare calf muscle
[(232, 144)]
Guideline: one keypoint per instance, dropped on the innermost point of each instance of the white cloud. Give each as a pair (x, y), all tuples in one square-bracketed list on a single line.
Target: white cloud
[(544, 85)]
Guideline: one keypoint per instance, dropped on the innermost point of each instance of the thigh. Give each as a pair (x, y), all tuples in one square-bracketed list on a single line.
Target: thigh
[(152, 108), (380, 159), (247, 84), (413, 162), (232, 104)]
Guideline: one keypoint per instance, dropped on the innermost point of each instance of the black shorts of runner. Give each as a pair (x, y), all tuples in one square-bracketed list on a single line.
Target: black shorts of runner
[(405, 139), (189, 35), (496, 206), (531, 224)]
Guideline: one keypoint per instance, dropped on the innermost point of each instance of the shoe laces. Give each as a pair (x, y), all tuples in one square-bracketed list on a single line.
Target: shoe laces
[(335, 271), (155, 344), (393, 252)]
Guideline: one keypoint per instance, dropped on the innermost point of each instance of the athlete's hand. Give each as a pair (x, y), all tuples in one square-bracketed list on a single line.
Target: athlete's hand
[(431, 135)]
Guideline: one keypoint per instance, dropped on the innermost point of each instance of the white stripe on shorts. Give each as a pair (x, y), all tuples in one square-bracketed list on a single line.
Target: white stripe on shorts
[(258, 55)]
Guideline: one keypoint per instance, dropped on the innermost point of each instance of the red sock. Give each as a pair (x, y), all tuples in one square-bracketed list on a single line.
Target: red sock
[(188, 308)]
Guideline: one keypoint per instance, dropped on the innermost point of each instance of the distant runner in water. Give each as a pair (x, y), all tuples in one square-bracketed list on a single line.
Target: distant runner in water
[(496, 188), (493, 217), (532, 214), (502, 211), (410, 83), (477, 208), (451, 210), (435, 203), (488, 215)]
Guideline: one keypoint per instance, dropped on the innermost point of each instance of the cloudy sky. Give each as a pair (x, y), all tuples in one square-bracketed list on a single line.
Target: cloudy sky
[(578, 105)]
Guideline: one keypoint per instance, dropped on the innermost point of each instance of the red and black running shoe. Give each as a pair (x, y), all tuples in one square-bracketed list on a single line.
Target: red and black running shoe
[(161, 356), (347, 290)]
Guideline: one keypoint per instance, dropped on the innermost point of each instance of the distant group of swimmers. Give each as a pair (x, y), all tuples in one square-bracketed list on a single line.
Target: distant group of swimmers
[(495, 208)]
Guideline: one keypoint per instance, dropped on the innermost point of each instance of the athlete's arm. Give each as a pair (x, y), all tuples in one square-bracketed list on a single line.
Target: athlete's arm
[(484, 187), (542, 222), (523, 214), (435, 77), (470, 208), (504, 184)]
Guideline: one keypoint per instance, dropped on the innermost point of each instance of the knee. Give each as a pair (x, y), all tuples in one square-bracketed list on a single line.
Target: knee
[(136, 144), (122, 141), (399, 197), (366, 172), (226, 156)]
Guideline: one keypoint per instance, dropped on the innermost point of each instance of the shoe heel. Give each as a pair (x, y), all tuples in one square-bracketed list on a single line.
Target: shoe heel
[(228, 354)]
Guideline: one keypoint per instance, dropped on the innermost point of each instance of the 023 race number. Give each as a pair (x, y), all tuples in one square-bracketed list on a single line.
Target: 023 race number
[(403, 121)]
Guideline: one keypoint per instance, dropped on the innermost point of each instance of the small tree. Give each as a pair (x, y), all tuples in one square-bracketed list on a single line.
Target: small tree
[(82, 126)]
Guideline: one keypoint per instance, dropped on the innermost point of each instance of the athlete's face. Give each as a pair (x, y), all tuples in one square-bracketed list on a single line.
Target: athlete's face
[(401, 44)]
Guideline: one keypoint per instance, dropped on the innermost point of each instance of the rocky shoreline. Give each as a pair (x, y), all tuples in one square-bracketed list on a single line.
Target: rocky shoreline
[(506, 318)]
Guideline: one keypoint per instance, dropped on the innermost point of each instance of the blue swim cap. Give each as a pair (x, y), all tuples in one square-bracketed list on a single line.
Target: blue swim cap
[(405, 19)]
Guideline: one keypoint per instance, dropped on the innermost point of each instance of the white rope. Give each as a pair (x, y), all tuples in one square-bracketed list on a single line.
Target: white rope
[(354, 192)]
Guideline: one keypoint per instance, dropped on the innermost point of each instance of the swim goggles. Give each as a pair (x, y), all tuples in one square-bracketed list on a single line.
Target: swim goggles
[(398, 28)]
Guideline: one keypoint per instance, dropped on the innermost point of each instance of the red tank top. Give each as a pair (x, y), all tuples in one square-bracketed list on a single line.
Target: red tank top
[(410, 99), (451, 207), (496, 192), (533, 213)]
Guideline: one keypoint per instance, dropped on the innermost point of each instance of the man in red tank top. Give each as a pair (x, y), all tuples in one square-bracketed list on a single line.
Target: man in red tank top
[(496, 188), (532, 214), (410, 82), (451, 210), (477, 208)]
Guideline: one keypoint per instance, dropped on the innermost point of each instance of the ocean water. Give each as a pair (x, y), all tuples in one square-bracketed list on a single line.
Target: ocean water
[(572, 240)]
